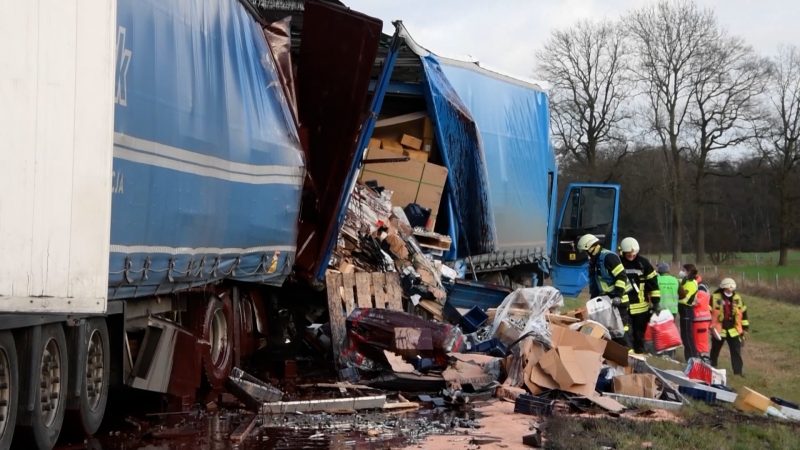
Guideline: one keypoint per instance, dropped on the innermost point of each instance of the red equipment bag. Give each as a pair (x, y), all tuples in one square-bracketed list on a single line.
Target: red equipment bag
[(663, 332)]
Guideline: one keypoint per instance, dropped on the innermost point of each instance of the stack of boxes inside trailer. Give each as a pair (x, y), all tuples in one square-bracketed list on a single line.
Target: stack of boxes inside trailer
[(414, 181)]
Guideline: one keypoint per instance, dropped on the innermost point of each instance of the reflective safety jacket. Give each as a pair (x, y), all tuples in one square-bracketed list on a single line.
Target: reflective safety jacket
[(643, 289), (729, 314), (687, 291), (668, 286), (607, 276)]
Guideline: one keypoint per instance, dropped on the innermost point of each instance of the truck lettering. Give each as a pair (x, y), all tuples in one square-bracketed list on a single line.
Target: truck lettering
[(123, 62), (117, 182)]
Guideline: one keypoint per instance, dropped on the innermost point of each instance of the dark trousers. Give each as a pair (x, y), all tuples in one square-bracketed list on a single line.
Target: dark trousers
[(638, 327), (735, 347), (687, 331)]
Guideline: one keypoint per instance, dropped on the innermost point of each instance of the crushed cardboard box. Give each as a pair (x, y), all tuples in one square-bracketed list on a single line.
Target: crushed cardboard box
[(637, 385)]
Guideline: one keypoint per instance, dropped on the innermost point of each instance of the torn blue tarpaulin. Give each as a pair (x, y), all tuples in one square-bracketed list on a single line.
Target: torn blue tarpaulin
[(494, 133), (472, 226)]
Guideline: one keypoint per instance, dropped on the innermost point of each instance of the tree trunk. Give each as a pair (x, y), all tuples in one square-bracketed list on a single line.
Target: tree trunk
[(700, 232), (677, 203), (785, 226)]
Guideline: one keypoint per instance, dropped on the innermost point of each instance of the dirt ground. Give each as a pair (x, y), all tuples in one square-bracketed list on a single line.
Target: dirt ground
[(498, 428)]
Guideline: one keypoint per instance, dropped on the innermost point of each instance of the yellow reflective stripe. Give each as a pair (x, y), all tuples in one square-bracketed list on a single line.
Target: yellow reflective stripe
[(651, 275), (655, 293), (620, 283), (616, 270), (745, 323), (639, 308)]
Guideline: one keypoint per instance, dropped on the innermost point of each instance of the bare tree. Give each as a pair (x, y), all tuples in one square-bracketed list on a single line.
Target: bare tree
[(779, 134), (725, 95), (586, 65), (669, 39)]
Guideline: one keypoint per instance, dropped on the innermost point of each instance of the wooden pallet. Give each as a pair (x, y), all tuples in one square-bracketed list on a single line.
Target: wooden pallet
[(348, 291)]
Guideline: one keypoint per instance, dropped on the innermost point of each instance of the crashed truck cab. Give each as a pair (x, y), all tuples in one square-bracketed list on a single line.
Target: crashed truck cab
[(480, 161)]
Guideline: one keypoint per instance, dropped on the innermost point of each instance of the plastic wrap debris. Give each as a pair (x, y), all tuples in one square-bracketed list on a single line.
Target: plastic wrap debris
[(602, 311), (524, 312)]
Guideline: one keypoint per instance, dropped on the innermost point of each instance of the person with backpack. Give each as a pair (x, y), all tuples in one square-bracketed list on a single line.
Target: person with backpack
[(687, 290), (729, 323)]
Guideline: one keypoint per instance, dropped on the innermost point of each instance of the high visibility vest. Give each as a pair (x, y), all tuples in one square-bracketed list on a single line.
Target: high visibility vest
[(718, 315), (668, 285), (702, 306), (690, 289)]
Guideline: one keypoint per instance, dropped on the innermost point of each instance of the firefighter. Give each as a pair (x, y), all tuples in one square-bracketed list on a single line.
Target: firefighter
[(729, 322), (607, 277), (644, 296), (687, 291)]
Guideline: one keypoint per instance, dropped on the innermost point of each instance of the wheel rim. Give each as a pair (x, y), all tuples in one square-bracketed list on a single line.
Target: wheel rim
[(218, 335), (5, 391), (50, 382), (94, 370)]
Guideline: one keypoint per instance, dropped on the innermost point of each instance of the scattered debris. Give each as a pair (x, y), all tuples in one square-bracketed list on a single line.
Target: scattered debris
[(330, 405)]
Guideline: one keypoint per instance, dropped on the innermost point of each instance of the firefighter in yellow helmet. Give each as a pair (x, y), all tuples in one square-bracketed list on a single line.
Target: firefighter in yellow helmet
[(607, 277), (644, 295), (729, 323)]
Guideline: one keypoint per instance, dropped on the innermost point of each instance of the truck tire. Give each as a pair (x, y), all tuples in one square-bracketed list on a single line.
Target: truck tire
[(9, 388), (93, 371), (213, 326), (48, 376)]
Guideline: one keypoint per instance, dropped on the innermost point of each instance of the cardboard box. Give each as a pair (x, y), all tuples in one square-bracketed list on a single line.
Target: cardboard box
[(637, 385), (434, 175), (430, 196), (594, 330), (749, 400), (389, 144), (563, 336), (374, 144), (409, 170), (403, 191), (616, 353), (562, 364), (411, 142), (416, 155)]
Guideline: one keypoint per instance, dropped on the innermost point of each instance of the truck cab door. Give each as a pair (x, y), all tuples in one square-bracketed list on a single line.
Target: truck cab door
[(587, 208)]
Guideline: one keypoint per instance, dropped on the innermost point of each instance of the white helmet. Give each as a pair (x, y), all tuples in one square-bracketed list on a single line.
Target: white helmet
[(727, 283), (629, 245), (587, 241)]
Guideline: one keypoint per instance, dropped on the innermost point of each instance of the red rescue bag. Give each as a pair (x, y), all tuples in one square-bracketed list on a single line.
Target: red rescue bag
[(663, 332)]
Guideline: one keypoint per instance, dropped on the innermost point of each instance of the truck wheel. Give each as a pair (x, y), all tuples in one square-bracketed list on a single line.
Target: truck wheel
[(48, 377), (215, 331), (93, 371), (9, 388)]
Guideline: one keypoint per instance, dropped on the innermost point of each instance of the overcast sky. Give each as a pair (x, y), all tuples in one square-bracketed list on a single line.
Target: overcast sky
[(505, 34)]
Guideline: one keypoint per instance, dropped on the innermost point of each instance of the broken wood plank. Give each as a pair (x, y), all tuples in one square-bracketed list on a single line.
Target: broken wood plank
[(348, 295), (395, 292), (333, 281), (335, 404), (379, 289), (243, 431), (400, 405), (433, 308), (363, 291)]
